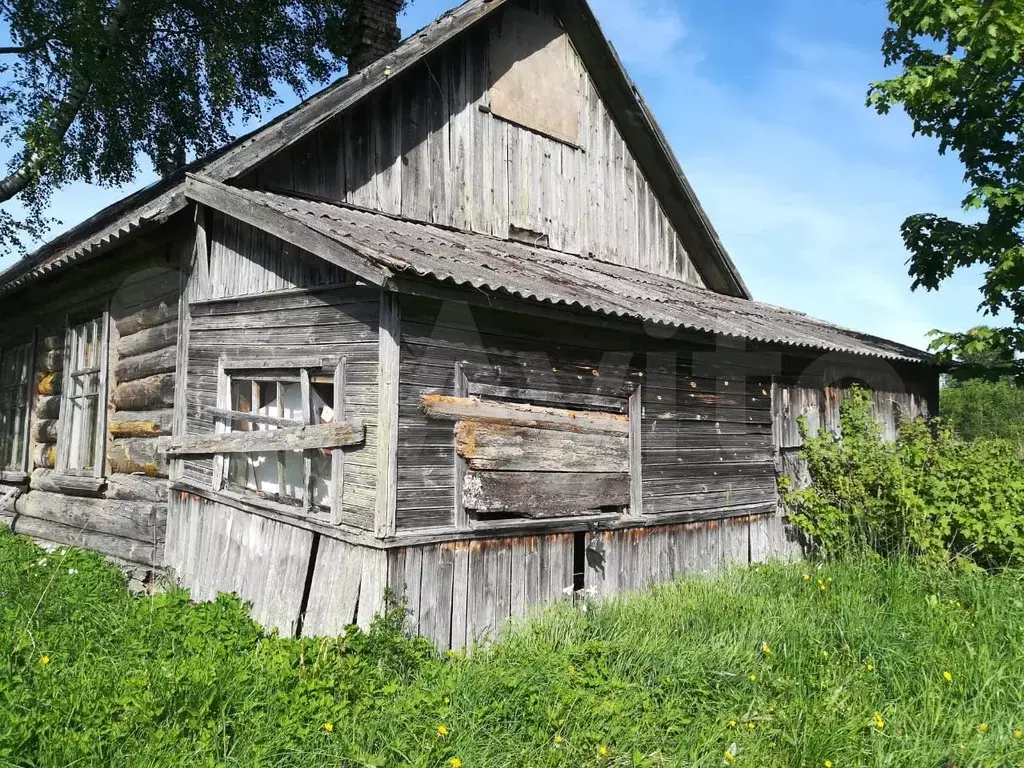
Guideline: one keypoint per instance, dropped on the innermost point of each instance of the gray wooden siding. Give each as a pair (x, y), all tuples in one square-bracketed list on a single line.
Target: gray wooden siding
[(328, 324), (427, 148)]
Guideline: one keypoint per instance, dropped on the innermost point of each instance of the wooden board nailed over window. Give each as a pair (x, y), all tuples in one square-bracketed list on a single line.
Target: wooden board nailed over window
[(530, 461)]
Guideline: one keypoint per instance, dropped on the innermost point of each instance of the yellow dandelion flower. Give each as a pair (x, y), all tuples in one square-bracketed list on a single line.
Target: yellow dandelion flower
[(752, 678), (807, 577), (572, 670), (983, 728), (1018, 734), (879, 721), (765, 649), (730, 758), (558, 739), (821, 587), (602, 751), (442, 731), (869, 667), (455, 763), (44, 660), (828, 764), (947, 676), (329, 727), (751, 725), (732, 723)]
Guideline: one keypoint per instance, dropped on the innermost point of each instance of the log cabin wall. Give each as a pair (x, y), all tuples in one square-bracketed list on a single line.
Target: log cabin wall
[(120, 508), (266, 300), (430, 148)]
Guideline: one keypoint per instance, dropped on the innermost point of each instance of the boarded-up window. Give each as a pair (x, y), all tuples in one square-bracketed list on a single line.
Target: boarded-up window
[(15, 375), (82, 428), (535, 81), (532, 461)]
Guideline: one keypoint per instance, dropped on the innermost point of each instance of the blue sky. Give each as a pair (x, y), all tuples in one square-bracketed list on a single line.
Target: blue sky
[(763, 102)]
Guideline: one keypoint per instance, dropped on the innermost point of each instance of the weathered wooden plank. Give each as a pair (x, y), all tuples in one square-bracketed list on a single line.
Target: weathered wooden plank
[(136, 488), (635, 453), (372, 587), (460, 594), (517, 414), (140, 521), (491, 446), (389, 368), (544, 494), (481, 617), (43, 479), (307, 437), (130, 550), (334, 589)]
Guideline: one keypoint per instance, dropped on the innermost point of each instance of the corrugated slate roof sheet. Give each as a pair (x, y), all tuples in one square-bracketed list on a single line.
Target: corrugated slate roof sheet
[(488, 264)]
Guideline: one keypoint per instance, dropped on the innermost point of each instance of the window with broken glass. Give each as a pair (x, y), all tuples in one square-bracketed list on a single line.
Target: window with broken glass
[(81, 441), (15, 394), (279, 399)]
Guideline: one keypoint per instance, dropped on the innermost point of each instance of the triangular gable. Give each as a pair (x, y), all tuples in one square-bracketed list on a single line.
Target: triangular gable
[(639, 132)]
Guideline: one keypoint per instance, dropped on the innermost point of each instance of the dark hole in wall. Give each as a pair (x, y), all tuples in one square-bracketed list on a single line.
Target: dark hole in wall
[(579, 562), (308, 585)]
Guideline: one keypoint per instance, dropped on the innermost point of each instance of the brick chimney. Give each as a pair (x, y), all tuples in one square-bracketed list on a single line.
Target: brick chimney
[(374, 26)]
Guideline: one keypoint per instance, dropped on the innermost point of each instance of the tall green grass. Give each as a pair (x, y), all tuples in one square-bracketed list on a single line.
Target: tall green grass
[(779, 665)]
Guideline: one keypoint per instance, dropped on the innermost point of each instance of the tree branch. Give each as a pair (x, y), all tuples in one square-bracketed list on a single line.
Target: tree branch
[(67, 112)]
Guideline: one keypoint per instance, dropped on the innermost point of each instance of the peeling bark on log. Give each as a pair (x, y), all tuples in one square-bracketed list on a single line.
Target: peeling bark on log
[(141, 423), (137, 488), (149, 340), (104, 543), (48, 407), (138, 455), (44, 455), (153, 393), (49, 384), (148, 317), (143, 366)]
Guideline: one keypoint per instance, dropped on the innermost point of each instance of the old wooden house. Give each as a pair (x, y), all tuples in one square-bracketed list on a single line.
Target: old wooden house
[(457, 326)]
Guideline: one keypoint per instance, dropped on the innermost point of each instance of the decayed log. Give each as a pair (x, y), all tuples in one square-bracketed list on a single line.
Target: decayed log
[(471, 409), (523, 449), (141, 423), (52, 341), (45, 431), (50, 361), (152, 393), (148, 317), (333, 435), (54, 482), (137, 455), (48, 407), (545, 494), (49, 384), (115, 546), (149, 340), (143, 366), (137, 488), (44, 455), (8, 498), (138, 520)]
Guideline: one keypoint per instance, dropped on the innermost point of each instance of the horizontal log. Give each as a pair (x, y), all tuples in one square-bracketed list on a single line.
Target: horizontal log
[(524, 449), (148, 364), (73, 485), (141, 423), (544, 494), (49, 384), (148, 317), (334, 435), (50, 361), (147, 456), (140, 521), (148, 340), (45, 431), (44, 455), (48, 407), (52, 341), (107, 544), (516, 414), (152, 393), (137, 488)]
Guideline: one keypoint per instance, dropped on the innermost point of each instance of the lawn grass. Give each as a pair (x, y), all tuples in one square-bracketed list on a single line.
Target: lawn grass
[(781, 665)]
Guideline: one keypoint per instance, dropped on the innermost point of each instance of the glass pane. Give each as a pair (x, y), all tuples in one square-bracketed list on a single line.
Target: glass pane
[(321, 480), (88, 436)]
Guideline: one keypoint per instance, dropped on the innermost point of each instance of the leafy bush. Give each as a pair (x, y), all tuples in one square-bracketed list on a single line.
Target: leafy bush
[(780, 665), (985, 409), (929, 494)]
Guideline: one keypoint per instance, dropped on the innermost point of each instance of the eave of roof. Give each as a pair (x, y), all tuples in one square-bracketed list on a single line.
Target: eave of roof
[(161, 200), (393, 247)]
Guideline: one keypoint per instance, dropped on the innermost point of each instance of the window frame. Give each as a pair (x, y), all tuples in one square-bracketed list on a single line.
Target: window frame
[(20, 472), (63, 463), (302, 371)]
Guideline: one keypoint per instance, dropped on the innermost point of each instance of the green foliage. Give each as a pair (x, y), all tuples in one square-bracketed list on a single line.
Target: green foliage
[(929, 494), (89, 88), (960, 82), (782, 665), (984, 409)]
